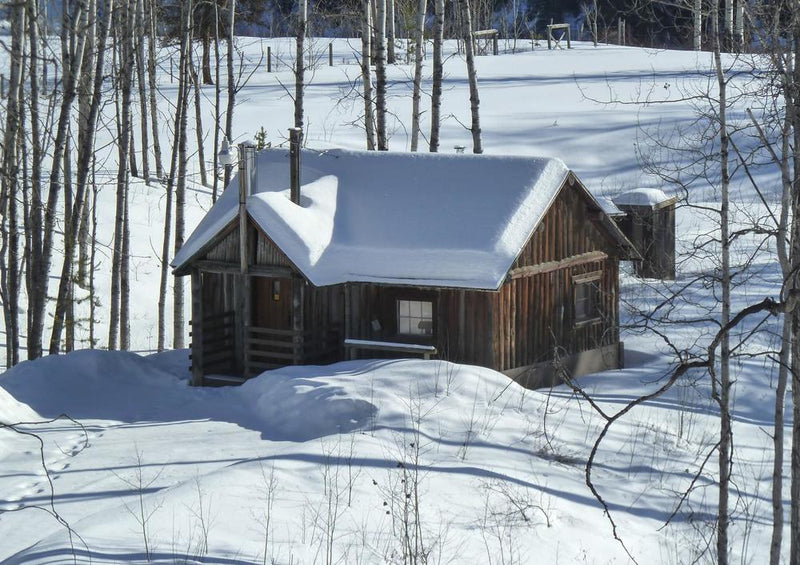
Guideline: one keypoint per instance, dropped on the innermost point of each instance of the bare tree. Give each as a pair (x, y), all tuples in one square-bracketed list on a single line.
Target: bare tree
[(419, 46), (366, 75), (469, 52), (300, 67), (438, 74), (118, 326), (380, 74)]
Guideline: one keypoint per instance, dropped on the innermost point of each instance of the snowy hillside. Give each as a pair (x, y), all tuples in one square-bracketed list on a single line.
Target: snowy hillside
[(335, 464)]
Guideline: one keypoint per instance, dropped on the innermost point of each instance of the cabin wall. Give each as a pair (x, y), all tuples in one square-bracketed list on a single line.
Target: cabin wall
[(534, 313), (568, 229)]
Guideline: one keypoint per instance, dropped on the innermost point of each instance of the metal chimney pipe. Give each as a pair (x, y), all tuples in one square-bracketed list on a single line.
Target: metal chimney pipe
[(295, 142), (247, 159)]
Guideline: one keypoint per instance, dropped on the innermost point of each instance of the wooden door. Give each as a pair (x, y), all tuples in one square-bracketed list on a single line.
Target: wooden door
[(271, 303)]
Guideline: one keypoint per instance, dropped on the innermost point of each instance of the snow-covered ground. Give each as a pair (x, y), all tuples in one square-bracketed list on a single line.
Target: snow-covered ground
[(331, 464)]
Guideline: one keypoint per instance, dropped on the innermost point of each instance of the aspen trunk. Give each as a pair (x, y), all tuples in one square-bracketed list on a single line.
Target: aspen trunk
[(178, 328), (9, 186), (419, 45), (198, 124), (390, 32), (474, 100), (231, 85), (697, 19), (215, 185), (299, 74), (380, 74), (151, 80), (438, 75), (142, 84), (366, 73), (124, 33)]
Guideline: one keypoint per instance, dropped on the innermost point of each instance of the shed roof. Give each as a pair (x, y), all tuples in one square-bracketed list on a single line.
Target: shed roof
[(400, 218)]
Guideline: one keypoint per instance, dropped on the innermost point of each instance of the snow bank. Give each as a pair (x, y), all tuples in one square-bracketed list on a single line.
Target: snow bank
[(306, 402), (94, 384)]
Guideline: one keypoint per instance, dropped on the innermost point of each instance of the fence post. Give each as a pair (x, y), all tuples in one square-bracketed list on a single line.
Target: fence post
[(330, 54), (269, 59), (2, 86), (171, 77)]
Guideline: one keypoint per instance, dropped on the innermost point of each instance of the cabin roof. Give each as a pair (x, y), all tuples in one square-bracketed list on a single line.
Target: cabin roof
[(397, 218)]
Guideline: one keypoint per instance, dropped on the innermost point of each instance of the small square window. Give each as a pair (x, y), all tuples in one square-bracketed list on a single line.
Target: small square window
[(414, 317)]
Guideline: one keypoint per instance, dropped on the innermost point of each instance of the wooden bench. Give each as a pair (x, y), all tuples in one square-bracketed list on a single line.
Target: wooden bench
[(353, 345)]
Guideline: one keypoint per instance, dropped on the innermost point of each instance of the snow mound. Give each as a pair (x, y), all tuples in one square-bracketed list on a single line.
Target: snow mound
[(307, 402), (92, 384), (641, 197)]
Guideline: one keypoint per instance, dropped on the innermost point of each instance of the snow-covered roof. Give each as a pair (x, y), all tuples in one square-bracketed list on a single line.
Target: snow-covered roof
[(642, 197), (401, 218)]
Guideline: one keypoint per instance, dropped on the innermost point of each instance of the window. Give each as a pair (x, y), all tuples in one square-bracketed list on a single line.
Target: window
[(587, 297), (414, 317)]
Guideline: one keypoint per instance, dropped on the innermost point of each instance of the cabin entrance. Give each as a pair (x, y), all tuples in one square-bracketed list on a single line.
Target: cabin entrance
[(270, 340), (271, 303)]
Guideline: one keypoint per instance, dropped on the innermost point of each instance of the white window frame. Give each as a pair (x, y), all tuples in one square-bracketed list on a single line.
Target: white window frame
[(414, 317)]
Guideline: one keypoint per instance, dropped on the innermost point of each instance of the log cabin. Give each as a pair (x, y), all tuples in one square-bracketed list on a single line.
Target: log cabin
[(313, 257)]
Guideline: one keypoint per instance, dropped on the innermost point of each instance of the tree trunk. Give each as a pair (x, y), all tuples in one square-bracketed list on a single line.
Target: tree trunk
[(198, 123), (419, 45), (142, 83), (380, 74), (390, 29), (231, 86), (438, 74), (124, 34), (697, 18), (151, 79), (178, 328), (9, 183), (474, 100), (206, 43), (215, 186), (366, 74), (299, 74), (724, 385)]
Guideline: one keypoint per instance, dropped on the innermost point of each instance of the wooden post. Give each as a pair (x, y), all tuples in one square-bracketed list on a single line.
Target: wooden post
[(569, 43), (298, 292), (295, 142), (2, 86), (347, 321), (330, 54), (495, 48), (171, 78), (619, 31), (197, 328), (269, 58)]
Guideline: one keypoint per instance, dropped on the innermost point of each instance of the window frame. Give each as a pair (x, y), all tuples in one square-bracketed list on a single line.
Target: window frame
[(421, 318), (593, 313)]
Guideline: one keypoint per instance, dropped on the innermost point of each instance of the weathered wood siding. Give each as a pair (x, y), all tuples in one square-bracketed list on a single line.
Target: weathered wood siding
[(569, 228), (534, 313), (261, 250)]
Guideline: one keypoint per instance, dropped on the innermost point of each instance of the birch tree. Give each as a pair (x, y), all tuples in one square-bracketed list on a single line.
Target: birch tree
[(300, 65), (366, 74), (380, 75), (469, 53), (438, 74), (419, 46)]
